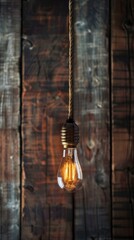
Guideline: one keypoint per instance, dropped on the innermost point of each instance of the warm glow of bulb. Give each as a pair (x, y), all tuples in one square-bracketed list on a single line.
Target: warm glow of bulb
[(70, 173)]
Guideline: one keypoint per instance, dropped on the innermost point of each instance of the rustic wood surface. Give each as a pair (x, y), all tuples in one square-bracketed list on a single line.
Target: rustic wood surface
[(92, 205), (9, 120), (48, 212), (123, 118), (106, 148)]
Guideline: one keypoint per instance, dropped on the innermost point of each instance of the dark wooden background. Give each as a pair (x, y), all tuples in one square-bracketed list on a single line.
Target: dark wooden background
[(123, 119), (34, 105)]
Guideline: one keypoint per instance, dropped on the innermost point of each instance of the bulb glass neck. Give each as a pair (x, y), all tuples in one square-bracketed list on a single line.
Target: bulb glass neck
[(69, 152)]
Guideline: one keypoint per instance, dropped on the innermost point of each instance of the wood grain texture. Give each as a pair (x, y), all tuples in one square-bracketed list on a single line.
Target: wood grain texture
[(92, 113), (48, 213), (9, 120), (123, 118), (47, 210)]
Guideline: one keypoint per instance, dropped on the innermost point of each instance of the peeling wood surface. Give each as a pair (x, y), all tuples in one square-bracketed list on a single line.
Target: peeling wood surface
[(123, 119), (9, 120), (48, 212)]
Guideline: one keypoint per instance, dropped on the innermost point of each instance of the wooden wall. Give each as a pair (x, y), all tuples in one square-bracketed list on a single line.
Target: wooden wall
[(48, 212), (123, 119), (34, 105)]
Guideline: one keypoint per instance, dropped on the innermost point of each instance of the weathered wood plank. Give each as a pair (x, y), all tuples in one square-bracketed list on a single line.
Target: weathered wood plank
[(9, 120), (47, 211), (123, 118), (93, 220)]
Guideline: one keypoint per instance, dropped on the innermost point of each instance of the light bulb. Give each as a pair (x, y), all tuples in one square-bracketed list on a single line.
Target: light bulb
[(70, 174)]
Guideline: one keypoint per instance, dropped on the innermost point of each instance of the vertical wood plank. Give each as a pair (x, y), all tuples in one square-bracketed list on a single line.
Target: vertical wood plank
[(9, 119), (47, 210), (92, 212), (123, 118)]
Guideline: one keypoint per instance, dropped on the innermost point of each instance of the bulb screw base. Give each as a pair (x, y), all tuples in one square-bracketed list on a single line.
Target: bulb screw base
[(70, 134)]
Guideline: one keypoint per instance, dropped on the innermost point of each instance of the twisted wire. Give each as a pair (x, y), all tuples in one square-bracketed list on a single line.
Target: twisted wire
[(71, 41)]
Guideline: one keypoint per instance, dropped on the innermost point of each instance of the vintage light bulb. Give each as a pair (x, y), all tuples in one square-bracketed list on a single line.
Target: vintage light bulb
[(70, 175)]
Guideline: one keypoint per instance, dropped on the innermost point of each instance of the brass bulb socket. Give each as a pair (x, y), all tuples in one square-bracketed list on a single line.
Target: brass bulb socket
[(70, 134)]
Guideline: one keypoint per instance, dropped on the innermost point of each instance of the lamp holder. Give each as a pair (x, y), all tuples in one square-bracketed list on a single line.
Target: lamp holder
[(70, 134)]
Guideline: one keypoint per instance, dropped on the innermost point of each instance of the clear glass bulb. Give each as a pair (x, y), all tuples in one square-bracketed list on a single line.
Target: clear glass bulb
[(70, 173)]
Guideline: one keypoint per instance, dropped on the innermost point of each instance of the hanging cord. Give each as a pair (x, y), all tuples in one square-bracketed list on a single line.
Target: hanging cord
[(71, 41), (70, 130)]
